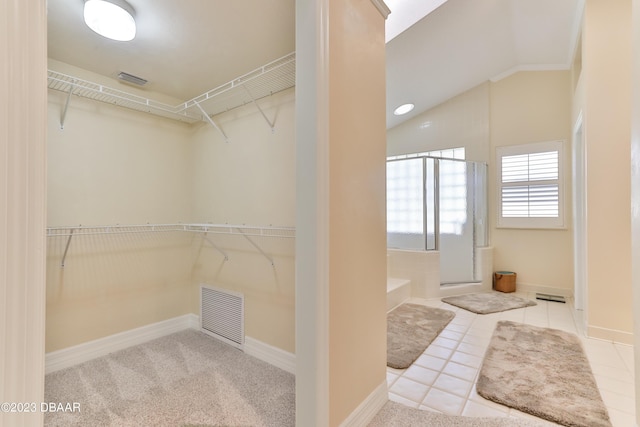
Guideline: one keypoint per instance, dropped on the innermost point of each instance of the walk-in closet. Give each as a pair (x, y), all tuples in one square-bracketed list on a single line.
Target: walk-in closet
[(168, 213), (144, 208)]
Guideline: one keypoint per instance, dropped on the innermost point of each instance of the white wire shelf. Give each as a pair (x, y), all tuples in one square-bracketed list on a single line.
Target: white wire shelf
[(246, 231), (272, 78), (241, 230), (269, 79), (97, 92)]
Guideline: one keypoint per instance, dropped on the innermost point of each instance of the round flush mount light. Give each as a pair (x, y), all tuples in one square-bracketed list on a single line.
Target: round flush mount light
[(403, 109), (112, 19)]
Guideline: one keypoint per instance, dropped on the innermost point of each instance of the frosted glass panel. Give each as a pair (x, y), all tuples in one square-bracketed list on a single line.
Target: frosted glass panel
[(405, 204), (438, 204)]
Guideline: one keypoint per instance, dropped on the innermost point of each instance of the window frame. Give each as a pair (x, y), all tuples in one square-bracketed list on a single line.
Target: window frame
[(531, 222)]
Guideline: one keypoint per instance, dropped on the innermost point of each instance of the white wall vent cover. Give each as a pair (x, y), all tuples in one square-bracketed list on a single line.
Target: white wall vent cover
[(222, 315)]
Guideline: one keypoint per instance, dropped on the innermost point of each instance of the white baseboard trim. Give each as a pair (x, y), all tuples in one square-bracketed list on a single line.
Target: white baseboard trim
[(612, 335), (549, 290), (67, 357), (71, 356), (364, 413), (194, 321), (270, 354)]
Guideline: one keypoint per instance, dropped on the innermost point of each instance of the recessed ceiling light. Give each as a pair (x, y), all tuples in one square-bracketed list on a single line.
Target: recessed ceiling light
[(112, 19), (403, 109)]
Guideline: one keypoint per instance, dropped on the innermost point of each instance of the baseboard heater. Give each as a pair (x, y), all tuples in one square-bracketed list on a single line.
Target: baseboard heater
[(554, 298), (222, 315)]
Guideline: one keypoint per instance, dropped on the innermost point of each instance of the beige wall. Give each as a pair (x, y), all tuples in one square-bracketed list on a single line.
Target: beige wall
[(113, 283), (111, 165), (606, 65), (462, 121), (23, 47), (250, 180), (533, 107), (357, 237)]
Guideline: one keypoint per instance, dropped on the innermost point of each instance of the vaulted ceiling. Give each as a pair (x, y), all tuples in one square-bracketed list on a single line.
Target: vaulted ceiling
[(466, 42), (185, 48)]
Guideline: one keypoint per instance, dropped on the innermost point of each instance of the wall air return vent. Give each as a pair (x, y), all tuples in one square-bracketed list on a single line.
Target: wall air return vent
[(222, 315), (130, 78)]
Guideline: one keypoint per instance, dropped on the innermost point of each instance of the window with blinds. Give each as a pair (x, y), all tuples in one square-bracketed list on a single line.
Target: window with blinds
[(530, 185)]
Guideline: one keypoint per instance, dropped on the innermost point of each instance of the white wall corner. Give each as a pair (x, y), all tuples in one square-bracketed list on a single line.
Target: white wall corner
[(71, 356), (193, 321), (270, 354), (367, 410), (382, 8)]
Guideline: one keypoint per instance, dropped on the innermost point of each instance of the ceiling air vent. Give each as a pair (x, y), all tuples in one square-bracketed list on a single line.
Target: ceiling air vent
[(130, 78)]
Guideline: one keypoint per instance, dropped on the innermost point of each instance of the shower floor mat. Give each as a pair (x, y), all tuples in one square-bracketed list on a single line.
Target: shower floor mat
[(488, 302)]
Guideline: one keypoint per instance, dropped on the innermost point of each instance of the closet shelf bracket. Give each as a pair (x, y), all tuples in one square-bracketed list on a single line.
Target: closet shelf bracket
[(66, 248), (66, 105), (210, 120), (264, 116), (264, 254), (216, 247)]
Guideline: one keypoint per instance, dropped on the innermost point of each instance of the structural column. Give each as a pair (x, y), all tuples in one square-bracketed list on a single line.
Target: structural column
[(635, 191), (23, 95), (341, 215)]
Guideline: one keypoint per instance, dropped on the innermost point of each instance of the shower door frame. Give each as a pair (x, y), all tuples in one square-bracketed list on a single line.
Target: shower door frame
[(436, 211)]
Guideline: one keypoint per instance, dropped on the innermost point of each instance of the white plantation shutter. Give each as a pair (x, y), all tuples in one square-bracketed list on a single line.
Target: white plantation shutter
[(530, 185)]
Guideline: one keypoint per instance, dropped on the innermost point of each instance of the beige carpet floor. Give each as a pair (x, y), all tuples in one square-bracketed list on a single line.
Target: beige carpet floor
[(410, 329), (488, 302), (187, 378), (543, 372)]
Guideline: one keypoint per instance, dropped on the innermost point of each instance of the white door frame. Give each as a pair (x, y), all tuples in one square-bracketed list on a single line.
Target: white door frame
[(579, 202)]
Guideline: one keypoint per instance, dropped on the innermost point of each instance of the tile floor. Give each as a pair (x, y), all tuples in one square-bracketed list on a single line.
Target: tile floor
[(443, 378)]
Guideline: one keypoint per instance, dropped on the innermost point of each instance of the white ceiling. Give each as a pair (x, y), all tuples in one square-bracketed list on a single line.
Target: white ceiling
[(185, 48), (466, 42)]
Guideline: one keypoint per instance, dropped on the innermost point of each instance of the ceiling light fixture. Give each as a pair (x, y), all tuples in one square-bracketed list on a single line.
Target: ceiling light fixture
[(112, 19), (403, 109)]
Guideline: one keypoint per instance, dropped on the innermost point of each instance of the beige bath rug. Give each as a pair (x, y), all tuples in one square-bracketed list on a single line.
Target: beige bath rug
[(395, 414), (543, 372), (488, 302), (410, 329)]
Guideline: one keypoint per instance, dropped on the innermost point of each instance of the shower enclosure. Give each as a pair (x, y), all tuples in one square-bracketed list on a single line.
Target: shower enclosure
[(436, 204)]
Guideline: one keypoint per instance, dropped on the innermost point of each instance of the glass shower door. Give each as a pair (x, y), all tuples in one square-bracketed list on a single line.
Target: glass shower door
[(456, 221)]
